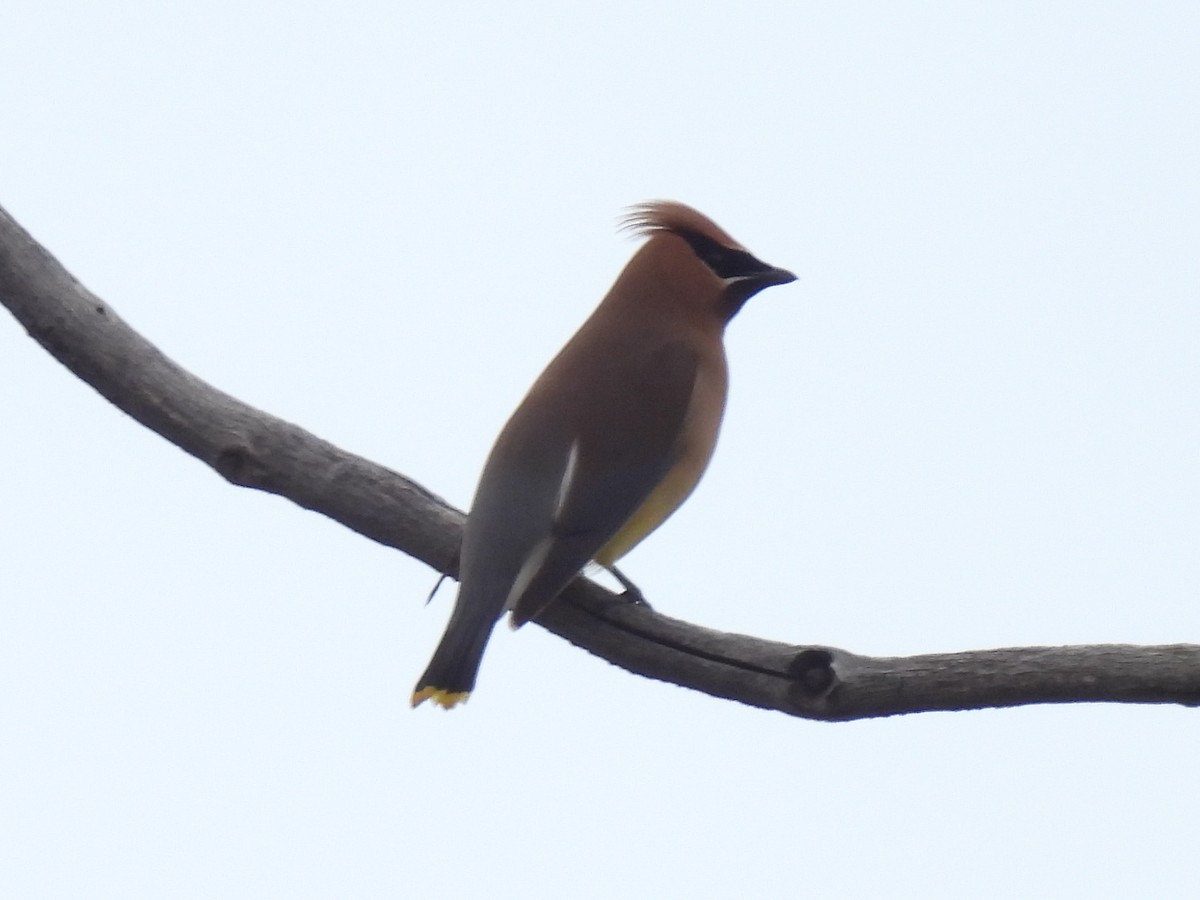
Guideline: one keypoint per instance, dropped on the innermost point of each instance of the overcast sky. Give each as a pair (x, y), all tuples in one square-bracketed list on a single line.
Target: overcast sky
[(971, 423)]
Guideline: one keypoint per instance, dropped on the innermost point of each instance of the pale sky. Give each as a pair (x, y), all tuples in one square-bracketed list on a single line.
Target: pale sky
[(972, 423)]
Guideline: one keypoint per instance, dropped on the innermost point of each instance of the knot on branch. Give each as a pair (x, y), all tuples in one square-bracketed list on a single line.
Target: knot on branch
[(812, 673), (240, 465)]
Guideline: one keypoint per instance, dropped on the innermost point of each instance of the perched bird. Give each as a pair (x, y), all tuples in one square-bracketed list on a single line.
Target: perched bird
[(609, 441)]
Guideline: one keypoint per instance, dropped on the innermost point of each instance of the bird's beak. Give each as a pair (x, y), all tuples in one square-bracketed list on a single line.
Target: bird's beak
[(776, 276), (767, 277)]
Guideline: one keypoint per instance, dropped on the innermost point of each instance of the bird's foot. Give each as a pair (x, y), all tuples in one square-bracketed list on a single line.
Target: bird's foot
[(632, 592)]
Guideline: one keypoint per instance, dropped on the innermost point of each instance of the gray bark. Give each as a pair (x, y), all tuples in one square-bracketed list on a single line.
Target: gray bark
[(253, 449)]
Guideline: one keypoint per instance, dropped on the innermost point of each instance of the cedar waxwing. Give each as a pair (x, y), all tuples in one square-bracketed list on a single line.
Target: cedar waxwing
[(608, 442)]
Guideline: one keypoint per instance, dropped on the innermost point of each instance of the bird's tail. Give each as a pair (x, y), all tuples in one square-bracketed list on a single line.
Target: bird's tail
[(450, 676)]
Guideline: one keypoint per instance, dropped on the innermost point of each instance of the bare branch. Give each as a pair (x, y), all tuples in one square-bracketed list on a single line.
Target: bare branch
[(253, 449)]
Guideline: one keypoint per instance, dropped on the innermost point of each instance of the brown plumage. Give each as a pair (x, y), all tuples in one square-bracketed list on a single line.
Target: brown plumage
[(667, 215), (611, 438)]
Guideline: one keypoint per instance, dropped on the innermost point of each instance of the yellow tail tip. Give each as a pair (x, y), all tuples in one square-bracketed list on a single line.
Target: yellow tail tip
[(442, 697)]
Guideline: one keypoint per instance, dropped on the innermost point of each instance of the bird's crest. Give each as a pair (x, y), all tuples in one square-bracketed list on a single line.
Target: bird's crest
[(646, 219)]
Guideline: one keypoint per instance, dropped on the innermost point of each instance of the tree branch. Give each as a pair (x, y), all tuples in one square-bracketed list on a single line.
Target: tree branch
[(254, 449)]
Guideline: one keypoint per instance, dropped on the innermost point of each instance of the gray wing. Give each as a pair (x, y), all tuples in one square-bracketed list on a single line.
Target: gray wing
[(576, 460)]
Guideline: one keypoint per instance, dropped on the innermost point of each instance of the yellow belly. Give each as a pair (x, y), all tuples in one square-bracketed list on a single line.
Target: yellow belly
[(664, 500), (698, 439)]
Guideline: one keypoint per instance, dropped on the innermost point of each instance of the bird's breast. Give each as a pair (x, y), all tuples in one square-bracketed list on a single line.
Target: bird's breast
[(697, 440)]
